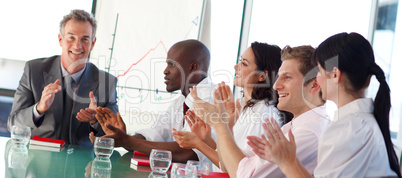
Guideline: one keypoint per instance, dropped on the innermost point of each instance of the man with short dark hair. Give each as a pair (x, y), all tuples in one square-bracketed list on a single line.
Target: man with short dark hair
[(187, 65)]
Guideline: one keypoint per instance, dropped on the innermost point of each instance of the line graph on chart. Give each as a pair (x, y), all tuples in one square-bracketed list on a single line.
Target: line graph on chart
[(132, 44), (195, 24)]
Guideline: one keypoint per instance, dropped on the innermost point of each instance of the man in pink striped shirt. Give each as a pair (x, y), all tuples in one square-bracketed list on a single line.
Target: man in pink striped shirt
[(300, 94)]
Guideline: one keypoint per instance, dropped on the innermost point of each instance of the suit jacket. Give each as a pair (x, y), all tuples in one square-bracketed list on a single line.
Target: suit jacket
[(39, 73)]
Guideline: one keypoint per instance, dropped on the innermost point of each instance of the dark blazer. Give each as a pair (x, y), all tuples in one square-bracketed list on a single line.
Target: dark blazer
[(39, 73)]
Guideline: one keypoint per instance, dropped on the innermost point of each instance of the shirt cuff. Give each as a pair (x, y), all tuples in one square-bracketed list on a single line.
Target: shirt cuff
[(36, 115), (95, 126)]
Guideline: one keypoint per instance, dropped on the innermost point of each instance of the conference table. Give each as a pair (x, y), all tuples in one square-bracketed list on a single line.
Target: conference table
[(72, 161)]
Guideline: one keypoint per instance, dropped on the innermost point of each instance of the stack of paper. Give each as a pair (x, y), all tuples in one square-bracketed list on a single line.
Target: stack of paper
[(140, 162), (141, 168), (140, 159), (50, 144)]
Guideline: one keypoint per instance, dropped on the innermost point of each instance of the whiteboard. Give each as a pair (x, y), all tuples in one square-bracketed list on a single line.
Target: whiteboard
[(133, 38)]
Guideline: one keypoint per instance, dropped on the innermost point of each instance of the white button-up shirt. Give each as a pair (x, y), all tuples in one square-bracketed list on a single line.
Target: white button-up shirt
[(250, 120), (161, 130), (353, 145), (306, 129)]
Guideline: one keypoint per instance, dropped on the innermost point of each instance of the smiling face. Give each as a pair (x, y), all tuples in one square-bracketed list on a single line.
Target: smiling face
[(290, 88), (76, 43), (246, 70)]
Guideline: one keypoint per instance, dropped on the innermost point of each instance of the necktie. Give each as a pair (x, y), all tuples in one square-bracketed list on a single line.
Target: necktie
[(185, 109), (68, 104)]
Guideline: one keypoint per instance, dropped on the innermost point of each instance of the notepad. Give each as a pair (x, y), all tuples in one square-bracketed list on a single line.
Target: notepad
[(50, 142), (140, 160), (141, 168), (46, 148)]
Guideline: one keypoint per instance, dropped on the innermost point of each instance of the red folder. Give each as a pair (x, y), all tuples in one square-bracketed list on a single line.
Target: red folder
[(141, 168), (140, 160), (36, 140), (140, 154), (216, 175)]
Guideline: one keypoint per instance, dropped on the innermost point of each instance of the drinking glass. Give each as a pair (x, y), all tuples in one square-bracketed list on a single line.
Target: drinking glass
[(18, 157), (202, 167), (103, 147), (160, 160), (180, 170), (20, 135), (191, 171), (157, 175), (101, 167), (17, 161)]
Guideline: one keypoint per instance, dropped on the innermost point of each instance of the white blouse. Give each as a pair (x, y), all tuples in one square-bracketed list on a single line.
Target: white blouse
[(353, 145), (250, 120)]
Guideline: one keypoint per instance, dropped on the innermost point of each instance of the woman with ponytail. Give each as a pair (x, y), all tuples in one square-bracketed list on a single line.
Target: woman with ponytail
[(358, 142)]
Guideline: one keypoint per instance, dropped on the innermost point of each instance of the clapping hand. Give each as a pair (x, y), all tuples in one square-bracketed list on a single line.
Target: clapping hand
[(112, 124), (106, 116), (47, 97), (197, 126), (186, 140), (200, 132), (88, 114), (228, 100), (276, 148), (210, 114), (258, 146)]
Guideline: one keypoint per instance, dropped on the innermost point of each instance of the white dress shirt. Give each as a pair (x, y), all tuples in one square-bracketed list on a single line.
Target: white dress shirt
[(306, 129), (250, 120), (353, 145), (161, 130)]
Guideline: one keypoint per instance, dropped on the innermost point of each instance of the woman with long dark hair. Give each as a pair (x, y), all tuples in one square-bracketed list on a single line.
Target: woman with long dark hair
[(255, 73), (358, 142)]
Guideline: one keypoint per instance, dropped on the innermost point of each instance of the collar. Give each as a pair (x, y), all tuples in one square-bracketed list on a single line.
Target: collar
[(362, 105), (312, 113), (76, 76), (204, 91)]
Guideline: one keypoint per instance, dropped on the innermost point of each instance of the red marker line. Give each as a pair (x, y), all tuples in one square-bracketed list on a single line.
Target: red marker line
[(146, 54)]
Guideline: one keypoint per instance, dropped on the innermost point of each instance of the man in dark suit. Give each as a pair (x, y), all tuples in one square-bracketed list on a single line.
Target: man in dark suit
[(52, 96)]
